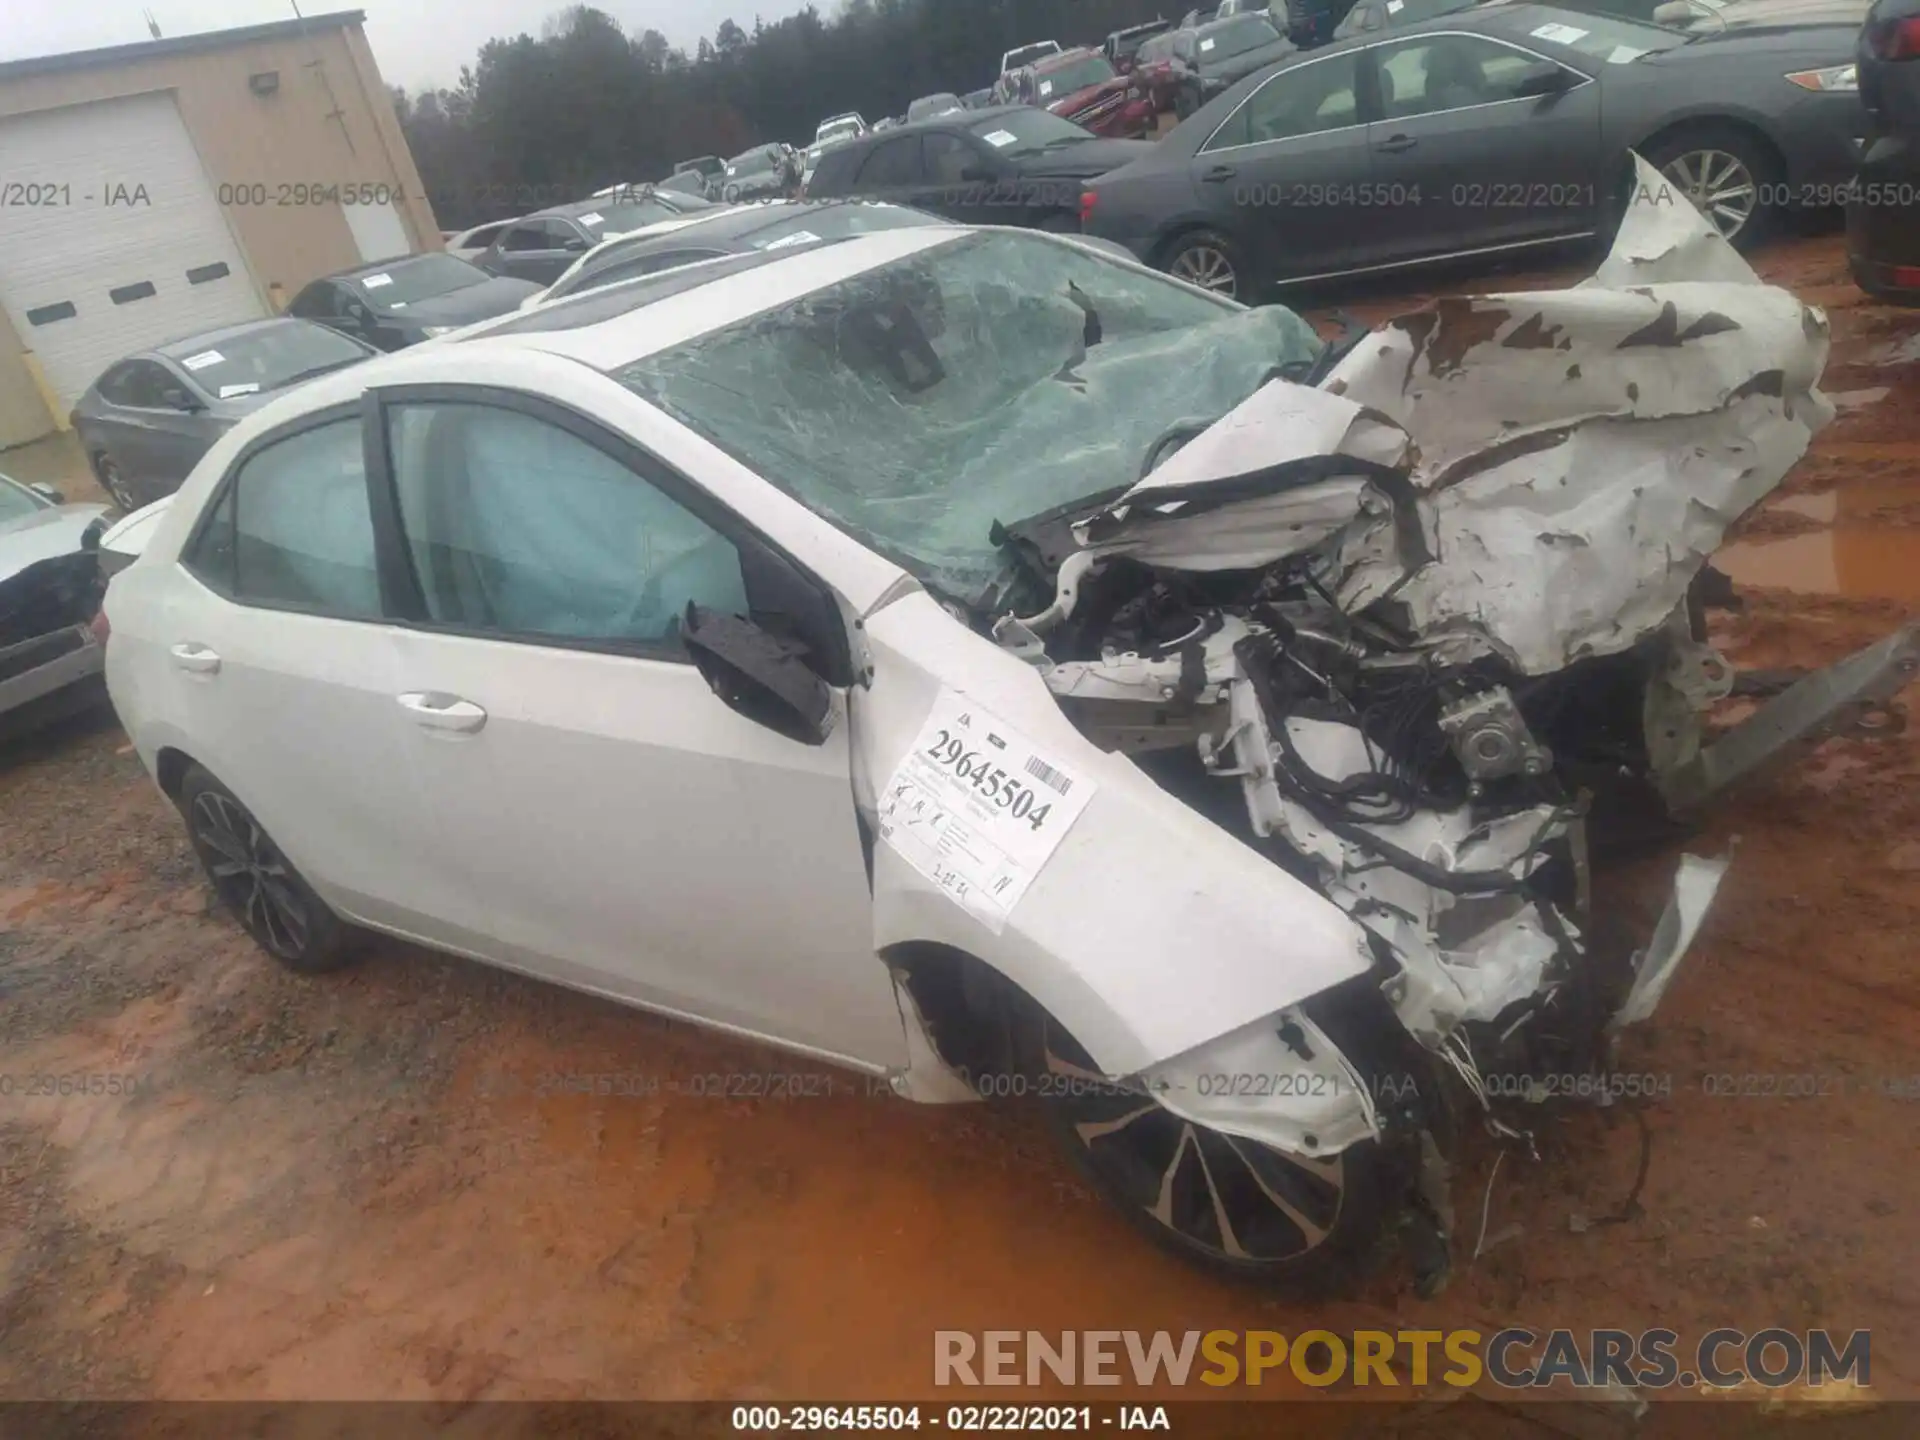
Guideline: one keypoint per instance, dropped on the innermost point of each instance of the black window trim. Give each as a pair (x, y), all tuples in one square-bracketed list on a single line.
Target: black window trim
[(407, 607), (288, 430)]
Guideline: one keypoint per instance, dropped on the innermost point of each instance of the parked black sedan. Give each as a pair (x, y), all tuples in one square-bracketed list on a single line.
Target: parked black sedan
[(397, 303), (1010, 165), (1213, 56), (1498, 128), (1883, 212), (148, 418)]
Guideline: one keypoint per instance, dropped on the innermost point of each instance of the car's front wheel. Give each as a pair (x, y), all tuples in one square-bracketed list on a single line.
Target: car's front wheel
[(256, 881), (1305, 1223), (1210, 260), (1728, 175)]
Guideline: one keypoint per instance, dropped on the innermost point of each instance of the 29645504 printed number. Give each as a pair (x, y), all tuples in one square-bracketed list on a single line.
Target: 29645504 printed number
[(991, 780)]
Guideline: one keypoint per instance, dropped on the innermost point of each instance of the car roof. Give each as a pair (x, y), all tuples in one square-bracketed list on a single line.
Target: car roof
[(183, 345), (375, 267)]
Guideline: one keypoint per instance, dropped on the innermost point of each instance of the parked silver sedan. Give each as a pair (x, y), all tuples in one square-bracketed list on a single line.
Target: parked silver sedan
[(150, 417)]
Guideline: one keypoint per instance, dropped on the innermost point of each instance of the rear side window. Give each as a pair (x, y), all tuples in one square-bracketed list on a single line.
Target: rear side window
[(292, 528)]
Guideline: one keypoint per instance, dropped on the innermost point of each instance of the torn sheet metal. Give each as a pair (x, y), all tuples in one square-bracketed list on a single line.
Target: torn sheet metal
[(1535, 475)]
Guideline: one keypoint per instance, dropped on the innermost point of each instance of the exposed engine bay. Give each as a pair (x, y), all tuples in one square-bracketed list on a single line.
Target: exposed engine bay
[(1437, 614)]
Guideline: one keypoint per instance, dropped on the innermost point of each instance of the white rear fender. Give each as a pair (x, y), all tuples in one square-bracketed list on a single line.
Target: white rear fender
[(1141, 927)]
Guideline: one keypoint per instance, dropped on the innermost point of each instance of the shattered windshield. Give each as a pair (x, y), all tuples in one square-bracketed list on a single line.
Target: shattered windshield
[(989, 378)]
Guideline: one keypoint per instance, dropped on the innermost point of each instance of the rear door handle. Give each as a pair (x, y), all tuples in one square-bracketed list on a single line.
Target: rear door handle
[(195, 659), (1220, 172), (1394, 144), (436, 710)]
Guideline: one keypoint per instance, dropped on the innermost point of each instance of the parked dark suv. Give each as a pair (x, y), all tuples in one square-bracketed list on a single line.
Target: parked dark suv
[(1883, 214), (1011, 165)]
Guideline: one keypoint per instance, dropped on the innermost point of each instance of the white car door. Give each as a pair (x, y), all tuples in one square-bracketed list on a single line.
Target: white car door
[(585, 806), (269, 642)]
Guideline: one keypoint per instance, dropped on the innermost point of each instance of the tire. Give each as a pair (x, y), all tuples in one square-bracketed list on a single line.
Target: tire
[(258, 883), (114, 481), (1210, 260), (1709, 160), (1175, 1180)]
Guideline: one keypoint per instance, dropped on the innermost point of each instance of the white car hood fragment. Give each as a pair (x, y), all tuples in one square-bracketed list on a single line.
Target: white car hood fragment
[(1572, 456)]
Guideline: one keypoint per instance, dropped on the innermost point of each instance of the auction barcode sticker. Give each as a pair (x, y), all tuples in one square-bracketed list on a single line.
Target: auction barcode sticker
[(978, 808)]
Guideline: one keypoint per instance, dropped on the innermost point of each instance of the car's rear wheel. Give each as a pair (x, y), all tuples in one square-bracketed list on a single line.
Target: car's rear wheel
[(114, 481), (1210, 260), (1726, 173), (1238, 1207), (256, 881)]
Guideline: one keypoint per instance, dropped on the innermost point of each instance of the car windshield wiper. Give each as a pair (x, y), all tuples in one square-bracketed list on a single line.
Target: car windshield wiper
[(310, 372)]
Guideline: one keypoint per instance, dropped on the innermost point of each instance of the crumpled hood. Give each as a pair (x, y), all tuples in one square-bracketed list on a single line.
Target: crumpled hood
[(1539, 475)]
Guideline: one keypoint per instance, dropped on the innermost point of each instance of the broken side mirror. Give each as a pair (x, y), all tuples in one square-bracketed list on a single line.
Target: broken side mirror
[(764, 676)]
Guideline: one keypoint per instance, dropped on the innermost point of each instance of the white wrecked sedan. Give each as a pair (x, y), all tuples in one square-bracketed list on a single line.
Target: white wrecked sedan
[(1004, 670)]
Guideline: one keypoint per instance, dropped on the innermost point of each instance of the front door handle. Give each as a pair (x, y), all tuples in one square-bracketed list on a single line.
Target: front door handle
[(1394, 144), (1220, 172), (195, 659), (436, 710)]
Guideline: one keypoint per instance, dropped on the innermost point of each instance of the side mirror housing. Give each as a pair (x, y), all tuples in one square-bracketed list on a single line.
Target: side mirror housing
[(763, 676), (576, 244), (1541, 78), (178, 399), (48, 493)]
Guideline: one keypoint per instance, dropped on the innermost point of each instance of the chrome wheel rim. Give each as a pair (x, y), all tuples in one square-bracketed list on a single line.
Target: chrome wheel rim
[(1233, 1199), (116, 485), (1206, 266), (250, 874), (1720, 186)]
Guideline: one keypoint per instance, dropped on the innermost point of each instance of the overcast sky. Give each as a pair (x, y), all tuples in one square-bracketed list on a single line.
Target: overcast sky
[(419, 43)]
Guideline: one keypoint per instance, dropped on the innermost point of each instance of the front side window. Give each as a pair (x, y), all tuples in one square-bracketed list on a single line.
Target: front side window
[(292, 527), (987, 378), (519, 527), (1308, 100)]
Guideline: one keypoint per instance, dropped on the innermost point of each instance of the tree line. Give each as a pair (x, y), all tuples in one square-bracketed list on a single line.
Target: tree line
[(584, 105)]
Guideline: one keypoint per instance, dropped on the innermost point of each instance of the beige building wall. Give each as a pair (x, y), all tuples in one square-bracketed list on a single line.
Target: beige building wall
[(329, 123)]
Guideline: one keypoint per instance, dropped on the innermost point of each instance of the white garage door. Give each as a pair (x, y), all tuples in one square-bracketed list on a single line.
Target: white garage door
[(127, 246)]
